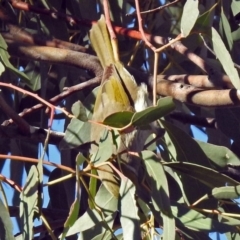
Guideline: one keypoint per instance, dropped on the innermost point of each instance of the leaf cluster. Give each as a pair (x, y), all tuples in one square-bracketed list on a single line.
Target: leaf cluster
[(176, 187)]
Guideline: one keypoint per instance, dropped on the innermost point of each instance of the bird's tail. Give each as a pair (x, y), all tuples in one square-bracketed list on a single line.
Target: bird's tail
[(101, 43)]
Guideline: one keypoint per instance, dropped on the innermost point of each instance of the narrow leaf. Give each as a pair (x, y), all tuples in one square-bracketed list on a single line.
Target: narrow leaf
[(5, 60), (79, 111), (76, 134), (205, 175), (164, 106), (105, 148), (29, 202), (128, 209), (160, 193), (225, 58), (6, 227), (189, 16)]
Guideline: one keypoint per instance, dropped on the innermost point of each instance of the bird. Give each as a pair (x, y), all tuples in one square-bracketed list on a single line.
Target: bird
[(118, 92)]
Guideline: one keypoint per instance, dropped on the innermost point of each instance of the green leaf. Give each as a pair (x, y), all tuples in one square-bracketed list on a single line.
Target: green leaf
[(29, 202), (80, 159), (206, 154), (160, 193), (79, 111), (128, 209), (4, 56), (227, 33), (119, 119), (105, 148), (158, 182), (92, 188), (76, 134), (32, 70), (73, 214), (189, 16), (205, 175), (164, 106), (225, 58), (6, 227), (89, 220), (106, 201), (228, 192), (194, 220), (235, 6)]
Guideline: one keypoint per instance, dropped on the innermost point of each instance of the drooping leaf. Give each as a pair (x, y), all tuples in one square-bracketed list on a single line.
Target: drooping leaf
[(92, 188), (225, 58), (29, 202), (6, 227), (160, 193), (226, 29), (119, 119), (89, 220), (205, 175), (228, 192), (4, 56), (197, 221), (206, 154), (106, 201), (76, 134), (164, 106), (105, 148), (32, 70), (79, 111), (128, 209), (189, 16)]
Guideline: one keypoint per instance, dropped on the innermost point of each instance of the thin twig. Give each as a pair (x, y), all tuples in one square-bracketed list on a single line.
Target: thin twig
[(156, 9), (155, 72), (108, 19), (11, 183), (75, 21), (66, 93), (51, 106), (34, 160), (141, 27)]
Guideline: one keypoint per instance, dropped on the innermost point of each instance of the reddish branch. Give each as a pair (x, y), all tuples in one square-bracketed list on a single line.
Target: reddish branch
[(76, 21), (179, 47), (48, 52)]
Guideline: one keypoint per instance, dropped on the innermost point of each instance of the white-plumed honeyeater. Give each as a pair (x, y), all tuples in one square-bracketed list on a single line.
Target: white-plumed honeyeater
[(118, 92)]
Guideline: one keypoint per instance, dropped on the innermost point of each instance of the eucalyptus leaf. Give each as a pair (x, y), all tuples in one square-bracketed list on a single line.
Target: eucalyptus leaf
[(227, 33), (105, 148), (189, 16), (160, 193), (76, 134), (106, 201), (29, 202), (164, 106), (206, 154), (119, 119), (225, 58), (79, 111), (88, 220), (197, 221), (4, 56), (128, 209), (205, 175), (6, 227)]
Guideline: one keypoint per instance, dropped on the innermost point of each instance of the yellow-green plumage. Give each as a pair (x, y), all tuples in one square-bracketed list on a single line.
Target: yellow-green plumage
[(118, 92)]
